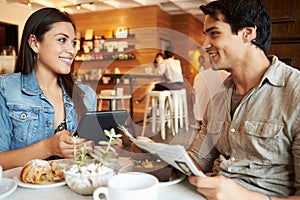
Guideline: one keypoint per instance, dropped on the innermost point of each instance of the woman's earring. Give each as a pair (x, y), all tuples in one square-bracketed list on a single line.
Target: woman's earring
[(36, 57)]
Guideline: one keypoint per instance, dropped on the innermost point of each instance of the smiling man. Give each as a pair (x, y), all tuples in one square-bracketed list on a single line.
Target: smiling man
[(250, 137)]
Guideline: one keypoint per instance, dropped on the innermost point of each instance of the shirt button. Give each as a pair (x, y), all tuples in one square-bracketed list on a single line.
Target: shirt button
[(232, 130), (232, 159), (23, 115)]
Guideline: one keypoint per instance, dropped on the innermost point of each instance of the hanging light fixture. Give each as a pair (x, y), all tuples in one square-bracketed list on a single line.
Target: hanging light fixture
[(29, 4), (77, 6)]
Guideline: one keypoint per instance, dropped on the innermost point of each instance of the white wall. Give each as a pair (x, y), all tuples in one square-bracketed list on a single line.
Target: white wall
[(15, 14)]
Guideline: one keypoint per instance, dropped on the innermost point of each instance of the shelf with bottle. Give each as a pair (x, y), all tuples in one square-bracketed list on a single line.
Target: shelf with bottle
[(130, 36), (100, 48), (104, 56)]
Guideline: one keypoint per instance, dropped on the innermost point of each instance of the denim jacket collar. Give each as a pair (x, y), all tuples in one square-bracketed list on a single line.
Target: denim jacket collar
[(30, 86)]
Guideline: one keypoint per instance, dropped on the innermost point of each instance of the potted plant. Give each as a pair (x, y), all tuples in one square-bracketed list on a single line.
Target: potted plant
[(93, 166)]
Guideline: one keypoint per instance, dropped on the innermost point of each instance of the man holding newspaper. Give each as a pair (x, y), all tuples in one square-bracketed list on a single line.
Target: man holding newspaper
[(250, 136)]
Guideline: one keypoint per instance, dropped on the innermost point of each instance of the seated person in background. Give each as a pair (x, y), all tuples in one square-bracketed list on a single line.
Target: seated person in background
[(171, 68), (206, 84), (158, 59), (250, 134), (40, 103)]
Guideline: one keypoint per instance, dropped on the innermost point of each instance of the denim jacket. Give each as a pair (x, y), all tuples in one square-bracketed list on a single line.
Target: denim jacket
[(27, 116)]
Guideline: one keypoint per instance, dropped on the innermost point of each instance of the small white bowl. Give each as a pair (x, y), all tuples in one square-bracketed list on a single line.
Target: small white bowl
[(88, 180)]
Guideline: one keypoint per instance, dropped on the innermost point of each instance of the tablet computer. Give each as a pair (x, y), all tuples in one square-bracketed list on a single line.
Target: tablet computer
[(93, 124)]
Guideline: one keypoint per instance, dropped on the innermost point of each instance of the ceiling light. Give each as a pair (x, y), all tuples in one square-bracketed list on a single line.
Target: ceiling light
[(29, 4), (78, 7)]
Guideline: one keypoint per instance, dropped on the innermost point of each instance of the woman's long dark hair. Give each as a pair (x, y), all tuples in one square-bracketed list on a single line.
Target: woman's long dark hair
[(38, 24)]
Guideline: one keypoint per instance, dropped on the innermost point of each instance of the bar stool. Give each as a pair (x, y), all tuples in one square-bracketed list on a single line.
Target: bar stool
[(161, 100), (180, 108), (111, 96)]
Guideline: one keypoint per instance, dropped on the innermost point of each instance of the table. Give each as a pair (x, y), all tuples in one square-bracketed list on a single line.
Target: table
[(178, 191), (113, 105), (131, 77), (183, 190)]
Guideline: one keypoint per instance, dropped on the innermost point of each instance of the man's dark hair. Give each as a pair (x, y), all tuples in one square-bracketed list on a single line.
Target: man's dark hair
[(169, 52), (243, 13)]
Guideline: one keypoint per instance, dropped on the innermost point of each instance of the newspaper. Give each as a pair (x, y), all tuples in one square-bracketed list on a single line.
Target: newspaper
[(174, 155)]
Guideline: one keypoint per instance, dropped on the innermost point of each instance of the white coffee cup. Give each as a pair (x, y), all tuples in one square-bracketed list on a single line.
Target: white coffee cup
[(129, 186), (120, 91)]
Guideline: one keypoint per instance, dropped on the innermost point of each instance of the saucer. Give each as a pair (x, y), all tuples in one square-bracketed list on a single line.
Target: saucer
[(7, 186), (176, 177)]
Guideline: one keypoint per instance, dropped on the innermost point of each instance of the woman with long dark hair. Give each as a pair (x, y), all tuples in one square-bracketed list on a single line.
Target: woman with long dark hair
[(40, 103)]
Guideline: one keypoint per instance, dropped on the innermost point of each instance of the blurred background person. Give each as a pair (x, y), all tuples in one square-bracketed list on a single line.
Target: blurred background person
[(206, 84), (158, 59), (171, 68)]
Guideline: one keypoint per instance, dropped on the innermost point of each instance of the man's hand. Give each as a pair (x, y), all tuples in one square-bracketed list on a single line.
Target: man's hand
[(221, 188), (135, 148)]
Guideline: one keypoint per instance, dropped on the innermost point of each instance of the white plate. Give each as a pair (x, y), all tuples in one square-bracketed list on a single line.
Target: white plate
[(37, 186), (174, 179), (7, 187), (15, 173), (10, 173)]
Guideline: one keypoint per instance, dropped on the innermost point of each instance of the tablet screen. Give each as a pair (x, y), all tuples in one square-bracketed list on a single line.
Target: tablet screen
[(93, 124)]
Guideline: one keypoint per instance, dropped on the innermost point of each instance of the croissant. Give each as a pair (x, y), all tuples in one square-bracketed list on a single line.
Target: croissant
[(40, 172)]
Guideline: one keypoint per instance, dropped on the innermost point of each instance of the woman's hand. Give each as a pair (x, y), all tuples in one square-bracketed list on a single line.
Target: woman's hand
[(62, 144), (221, 188)]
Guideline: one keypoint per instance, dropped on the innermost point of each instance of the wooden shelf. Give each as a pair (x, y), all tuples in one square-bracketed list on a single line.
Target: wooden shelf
[(123, 59), (129, 36), (107, 57)]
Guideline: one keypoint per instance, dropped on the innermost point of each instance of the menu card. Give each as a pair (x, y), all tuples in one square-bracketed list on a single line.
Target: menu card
[(174, 155)]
